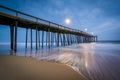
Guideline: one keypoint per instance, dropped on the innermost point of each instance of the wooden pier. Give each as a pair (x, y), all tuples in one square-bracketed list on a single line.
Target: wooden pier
[(51, 33)]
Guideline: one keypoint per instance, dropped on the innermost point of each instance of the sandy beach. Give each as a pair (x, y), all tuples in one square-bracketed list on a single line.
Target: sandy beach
[(26, 68)]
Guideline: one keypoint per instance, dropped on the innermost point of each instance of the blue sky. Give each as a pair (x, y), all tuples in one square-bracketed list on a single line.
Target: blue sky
[(99, 16)]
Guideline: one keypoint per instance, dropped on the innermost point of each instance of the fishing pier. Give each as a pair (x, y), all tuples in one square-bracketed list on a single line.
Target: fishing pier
[(47, 32)]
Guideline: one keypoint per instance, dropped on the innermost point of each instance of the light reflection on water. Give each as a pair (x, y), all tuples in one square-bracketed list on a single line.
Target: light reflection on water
[(96, 61)]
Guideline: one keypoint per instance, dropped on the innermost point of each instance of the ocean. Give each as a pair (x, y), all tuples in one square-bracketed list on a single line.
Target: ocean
[(95, 61)]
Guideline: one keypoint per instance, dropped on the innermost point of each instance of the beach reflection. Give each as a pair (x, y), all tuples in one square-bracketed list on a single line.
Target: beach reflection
[(94, 61)]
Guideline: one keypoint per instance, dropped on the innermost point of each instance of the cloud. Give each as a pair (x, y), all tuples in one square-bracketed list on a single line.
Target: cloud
[(107, 25)]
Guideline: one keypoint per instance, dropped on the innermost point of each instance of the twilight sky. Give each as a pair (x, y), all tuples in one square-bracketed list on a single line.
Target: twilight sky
[(99, 16)]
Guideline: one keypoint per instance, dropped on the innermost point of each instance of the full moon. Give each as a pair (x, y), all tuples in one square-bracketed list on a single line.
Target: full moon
[(67, 21), (86, 29)]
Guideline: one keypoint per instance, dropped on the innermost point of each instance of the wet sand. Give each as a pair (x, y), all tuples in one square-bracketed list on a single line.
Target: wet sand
[(26, 68)]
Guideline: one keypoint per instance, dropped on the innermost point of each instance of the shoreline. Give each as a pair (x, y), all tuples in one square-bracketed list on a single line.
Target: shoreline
[(24, 68)]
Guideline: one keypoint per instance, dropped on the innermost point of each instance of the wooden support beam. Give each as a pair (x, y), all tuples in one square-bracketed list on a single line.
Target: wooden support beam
[(58, 39), (67, 39), (39, 38), (36, 38), (61, 39), (76, 39), (64, 39), (83, 39), (42, 38), (31, 37), (26, 37), (70, 39), (49, 38), (80, 39), (53, 39), (96, 38), (12, 37), (15, 43), (46, 38)]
